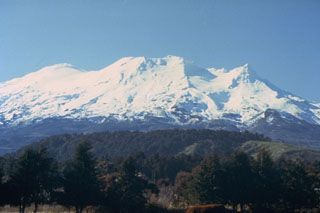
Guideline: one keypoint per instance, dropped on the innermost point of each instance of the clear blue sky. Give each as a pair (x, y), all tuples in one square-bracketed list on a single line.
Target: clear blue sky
[(280, 39)]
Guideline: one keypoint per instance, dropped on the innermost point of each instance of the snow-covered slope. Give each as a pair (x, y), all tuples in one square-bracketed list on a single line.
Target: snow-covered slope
[(133, 88)]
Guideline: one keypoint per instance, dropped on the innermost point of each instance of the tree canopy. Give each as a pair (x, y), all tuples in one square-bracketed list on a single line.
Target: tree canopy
[(33, 179), (80, 182)]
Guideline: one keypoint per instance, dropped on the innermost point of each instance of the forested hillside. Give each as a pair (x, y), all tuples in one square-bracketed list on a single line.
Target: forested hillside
[(168, 142)]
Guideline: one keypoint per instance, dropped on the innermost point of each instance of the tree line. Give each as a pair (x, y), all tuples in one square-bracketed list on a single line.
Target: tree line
[(168, 142), (245, 183), (159, 182)]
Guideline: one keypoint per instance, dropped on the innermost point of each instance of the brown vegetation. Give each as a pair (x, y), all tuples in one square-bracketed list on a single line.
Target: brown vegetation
[(210, 208)]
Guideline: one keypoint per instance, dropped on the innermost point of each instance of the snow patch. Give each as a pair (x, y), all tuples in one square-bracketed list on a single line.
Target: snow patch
[(136, 87)]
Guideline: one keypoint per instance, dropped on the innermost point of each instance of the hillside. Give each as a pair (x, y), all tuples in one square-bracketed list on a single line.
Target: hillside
[(171, 142), (280, 150), (122, 143)]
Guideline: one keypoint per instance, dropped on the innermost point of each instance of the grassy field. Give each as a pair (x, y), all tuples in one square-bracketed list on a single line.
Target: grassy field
[(42, 209), (280, 150)]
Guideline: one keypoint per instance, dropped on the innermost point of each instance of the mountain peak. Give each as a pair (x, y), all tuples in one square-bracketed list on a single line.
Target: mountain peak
[(142, 58), (142, 92), (56, 69), (143, 62), (245, 73), (169, 87), (174, 58)]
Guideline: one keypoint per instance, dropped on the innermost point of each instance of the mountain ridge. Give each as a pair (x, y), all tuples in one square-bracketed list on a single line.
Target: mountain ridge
[(210, 88), (164, 91)]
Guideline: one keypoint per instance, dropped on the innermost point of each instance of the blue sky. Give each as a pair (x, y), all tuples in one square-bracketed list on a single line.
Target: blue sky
[(280, 39)]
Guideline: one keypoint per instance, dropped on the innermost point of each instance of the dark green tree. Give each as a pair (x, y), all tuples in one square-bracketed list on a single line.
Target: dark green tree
[(238, 181), (267, 183), (298, 186), (207, 181), (127, 189), (315, 172), (80, 183), (33, 179), (2, 191), (6, 195)]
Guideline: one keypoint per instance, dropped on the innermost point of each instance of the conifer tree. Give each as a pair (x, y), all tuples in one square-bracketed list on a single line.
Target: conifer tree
[(127, 189), (239, 180), (298, 186), (81, 184), (33, 179), (207, 181), (267, 182), (2, 191)]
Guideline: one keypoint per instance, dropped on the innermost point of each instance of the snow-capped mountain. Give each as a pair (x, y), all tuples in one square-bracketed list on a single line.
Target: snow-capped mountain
[(132, 89)]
